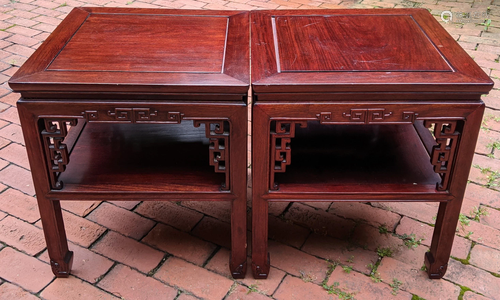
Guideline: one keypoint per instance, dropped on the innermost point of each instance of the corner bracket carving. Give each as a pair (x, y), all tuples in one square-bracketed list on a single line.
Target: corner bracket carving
[(217, 131), (53, 133), (443, 154), (281, 138)]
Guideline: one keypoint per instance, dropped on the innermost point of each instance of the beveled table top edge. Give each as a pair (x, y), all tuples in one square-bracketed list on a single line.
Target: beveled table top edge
[(465, 74), (34, 76)]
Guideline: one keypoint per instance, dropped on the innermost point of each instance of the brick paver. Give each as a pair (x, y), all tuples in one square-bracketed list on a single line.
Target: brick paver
[(129, 284), (17, 178), (128, 251), (80, 208), (320, 221), (416, 281), (485, 258), (10, 291), (214, 231), (118, 244), (364, 288), (121, 220), (340, 251), (298, 263), (180, 244), (473, 296), (79, 230), (16, 154), (282, 231), (87, 265), (474, 278), (73, 288), (19, 205), (21, 235), (242, 292), (24, 270), (194, 279), (366, 213), (170, 213), (293, 288)]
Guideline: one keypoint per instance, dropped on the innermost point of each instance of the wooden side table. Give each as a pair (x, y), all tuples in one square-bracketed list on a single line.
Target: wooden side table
[(343, 104), (110, 106)]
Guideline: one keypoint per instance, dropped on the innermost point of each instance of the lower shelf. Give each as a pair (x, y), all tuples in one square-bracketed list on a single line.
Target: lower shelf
[(141, 157), (358, 159)]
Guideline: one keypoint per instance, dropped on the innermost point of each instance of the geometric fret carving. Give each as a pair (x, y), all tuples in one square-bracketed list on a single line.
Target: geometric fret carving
[(282, 133), (53, 133), (366, 116), (442, 155), (217, 131), (133, 115), (409, 116)]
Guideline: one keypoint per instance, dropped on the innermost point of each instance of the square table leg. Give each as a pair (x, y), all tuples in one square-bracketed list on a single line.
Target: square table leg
[(260, 208), (238, 260), (436, 260), (61, 259)]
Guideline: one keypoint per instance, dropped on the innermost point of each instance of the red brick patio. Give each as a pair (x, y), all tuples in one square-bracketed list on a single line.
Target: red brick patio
[(153, 250)]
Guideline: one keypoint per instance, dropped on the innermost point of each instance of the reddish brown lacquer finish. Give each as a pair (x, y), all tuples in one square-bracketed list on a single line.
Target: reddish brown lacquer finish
[(141, 51), (344, 101), (156, 105)]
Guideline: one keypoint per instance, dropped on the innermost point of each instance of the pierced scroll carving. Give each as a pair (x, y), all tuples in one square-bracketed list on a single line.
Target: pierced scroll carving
[(133, 115), (217, 131), (442, 154), (282, 133), (53, 133)]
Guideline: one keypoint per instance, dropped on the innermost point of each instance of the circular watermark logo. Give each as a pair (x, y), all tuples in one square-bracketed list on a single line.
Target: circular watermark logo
[(446, 16)]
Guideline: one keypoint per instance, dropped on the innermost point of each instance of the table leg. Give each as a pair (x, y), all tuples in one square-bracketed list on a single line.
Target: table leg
[(260, 185), (260, 254), (61, 259), (50, 211), (238, 261), (436, 260), (238, 172)]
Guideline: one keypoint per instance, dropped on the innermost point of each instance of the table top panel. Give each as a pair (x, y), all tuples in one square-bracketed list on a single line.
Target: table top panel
[(145, 43), (123, 50), (359, 50), (355, 43)]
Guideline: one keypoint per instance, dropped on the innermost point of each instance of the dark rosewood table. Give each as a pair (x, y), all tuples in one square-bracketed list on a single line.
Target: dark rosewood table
[(343, 104), (138, 104)]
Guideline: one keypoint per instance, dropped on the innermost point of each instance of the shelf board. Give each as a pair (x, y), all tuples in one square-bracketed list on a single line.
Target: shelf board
[(358, 159), (141, 158)]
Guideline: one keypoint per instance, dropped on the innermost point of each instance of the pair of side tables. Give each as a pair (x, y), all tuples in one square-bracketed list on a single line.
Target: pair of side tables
[(149, 104)]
